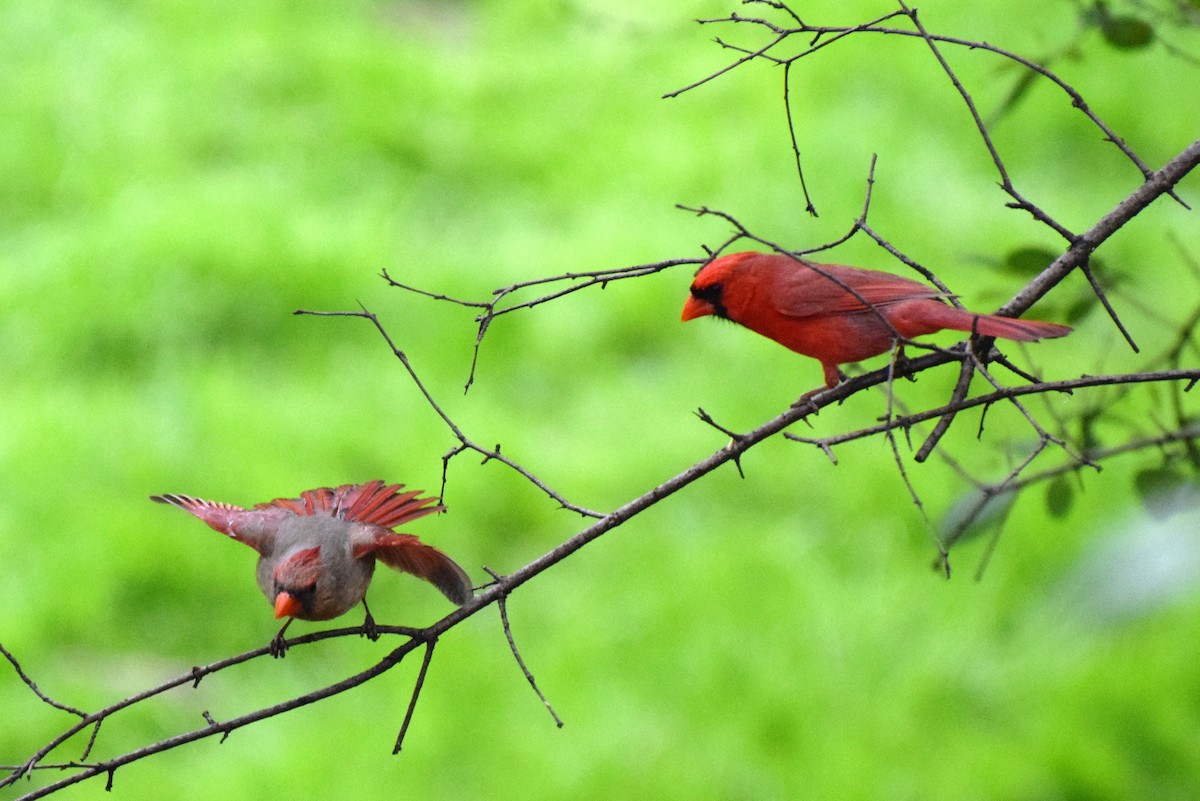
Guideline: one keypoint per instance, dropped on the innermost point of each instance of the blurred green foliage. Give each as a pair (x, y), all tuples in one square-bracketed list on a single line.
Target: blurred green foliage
[(180, 177)]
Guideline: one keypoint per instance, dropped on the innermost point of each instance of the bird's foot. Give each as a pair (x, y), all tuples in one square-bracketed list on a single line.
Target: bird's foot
[(805, 401), (369, 629), (901, 365), (278, 647)]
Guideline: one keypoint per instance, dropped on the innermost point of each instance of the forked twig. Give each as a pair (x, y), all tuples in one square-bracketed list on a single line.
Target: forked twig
[(465, 442), (492, 309)]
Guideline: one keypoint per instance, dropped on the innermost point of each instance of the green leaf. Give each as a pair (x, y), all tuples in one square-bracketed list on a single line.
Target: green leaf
[(1126, 33), (1060, 496), (1164, 490), (1029, 260), (1017, 93), (1080, 307)]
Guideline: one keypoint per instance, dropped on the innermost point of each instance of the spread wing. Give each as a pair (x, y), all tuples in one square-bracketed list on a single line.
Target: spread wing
[(814, 292), (255, 527), (374, 502)]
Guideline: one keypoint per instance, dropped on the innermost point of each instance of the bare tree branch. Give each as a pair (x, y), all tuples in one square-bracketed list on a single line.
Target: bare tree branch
[(1068, 385), (974, 356), (820, 36), (33, 686), (492, 309), (416, 693), (502, 603), (1157, 184), (465, 443)]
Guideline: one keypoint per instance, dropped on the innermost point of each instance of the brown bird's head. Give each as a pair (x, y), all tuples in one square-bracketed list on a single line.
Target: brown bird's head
[(294, 583)]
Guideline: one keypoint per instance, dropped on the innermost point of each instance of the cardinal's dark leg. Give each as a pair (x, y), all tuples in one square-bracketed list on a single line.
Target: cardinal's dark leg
[(278, 647), (901, 362), (368, 627)]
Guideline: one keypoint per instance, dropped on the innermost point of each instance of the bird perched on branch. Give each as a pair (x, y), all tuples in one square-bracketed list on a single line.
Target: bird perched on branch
[(837, 314), (316, 553)]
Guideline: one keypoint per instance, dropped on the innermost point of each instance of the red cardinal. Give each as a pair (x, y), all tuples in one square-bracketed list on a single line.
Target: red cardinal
[(816, 315), (316, 553)]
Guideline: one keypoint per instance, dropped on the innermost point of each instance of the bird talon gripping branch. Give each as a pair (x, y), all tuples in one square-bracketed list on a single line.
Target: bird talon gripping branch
[(278, 646), (369, 629)]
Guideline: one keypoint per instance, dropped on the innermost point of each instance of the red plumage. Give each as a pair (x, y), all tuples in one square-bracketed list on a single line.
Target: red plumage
[(837, 314)]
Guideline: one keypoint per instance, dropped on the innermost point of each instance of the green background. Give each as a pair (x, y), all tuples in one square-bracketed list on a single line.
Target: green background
[(179, 177)]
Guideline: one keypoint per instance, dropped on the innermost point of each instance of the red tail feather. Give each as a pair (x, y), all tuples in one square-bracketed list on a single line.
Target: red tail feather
[(408, 554), (1020, 330)]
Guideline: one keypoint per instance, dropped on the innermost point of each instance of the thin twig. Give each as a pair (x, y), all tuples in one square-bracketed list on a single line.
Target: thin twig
[(791, 124), (986, 495), (961, 387), (416, 693), (110, 766), (1159, 183), (890, 436), (33, 686), (466, 443), (823, 35), (870, 379), (492, 309), (502, 603)]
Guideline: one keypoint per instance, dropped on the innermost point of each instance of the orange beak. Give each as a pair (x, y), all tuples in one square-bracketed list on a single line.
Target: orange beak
[(286, 606), (695, 308)]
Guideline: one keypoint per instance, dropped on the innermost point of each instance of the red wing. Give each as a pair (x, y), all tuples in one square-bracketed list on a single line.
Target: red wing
[(389, 508), (321, 499), (807, 293), (311, 502), (350, 494), (241, 524), (373, 502), (406, 553)]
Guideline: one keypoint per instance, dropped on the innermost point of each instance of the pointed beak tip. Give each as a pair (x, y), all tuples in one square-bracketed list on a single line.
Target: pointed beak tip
[(286, 606), (694, 308)]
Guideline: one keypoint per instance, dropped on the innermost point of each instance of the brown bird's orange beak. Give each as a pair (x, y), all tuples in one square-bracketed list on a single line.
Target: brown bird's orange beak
[(286, 606), (695, 308)]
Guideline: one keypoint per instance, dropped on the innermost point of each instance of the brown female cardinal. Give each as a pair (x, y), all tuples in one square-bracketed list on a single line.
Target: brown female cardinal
[(818, 310), (316, 553)]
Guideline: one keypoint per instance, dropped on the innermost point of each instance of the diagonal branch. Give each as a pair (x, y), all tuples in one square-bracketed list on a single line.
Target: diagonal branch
[(1159, 182), (24, 677)]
